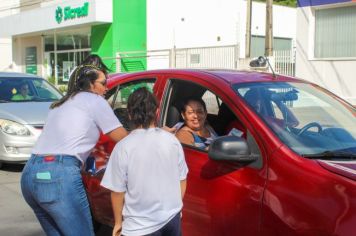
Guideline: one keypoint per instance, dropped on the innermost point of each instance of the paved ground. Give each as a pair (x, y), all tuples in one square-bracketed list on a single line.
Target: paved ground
[(16, 217)]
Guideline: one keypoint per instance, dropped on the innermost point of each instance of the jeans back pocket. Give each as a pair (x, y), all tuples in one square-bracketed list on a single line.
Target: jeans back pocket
[(46, 191)]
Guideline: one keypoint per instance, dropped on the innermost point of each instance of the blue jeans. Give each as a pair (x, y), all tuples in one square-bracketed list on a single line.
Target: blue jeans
[(172, 228), (53, 187)]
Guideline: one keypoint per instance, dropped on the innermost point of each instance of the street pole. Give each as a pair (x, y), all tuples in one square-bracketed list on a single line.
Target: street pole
[(269, 29), (248, 29)]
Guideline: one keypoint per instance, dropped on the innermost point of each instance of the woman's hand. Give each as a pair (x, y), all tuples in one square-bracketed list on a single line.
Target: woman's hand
[(171, 130), (117, 230)]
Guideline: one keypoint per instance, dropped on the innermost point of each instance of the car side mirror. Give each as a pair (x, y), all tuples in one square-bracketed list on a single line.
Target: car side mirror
[(231, 148)]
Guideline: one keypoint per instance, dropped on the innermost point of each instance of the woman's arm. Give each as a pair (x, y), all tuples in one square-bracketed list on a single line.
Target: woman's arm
[(184, 136), (183, 187), (118, 134), (117, 200)]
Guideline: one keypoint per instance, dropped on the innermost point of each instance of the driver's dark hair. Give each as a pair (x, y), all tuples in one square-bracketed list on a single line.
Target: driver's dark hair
[(192, 99), (80, 80), (142, 106)]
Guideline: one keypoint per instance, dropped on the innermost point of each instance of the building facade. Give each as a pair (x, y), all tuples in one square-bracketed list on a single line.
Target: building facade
[(326, 45), (50, 38)]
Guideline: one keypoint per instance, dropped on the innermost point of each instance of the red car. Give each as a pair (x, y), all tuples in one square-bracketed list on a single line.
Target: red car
[(284, 163)]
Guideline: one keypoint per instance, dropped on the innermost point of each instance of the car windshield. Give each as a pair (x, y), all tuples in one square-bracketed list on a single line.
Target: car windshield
[(27, 90), (309, 120)]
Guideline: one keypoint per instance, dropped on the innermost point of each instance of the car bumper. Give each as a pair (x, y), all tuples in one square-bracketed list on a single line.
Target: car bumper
[(16, 149)]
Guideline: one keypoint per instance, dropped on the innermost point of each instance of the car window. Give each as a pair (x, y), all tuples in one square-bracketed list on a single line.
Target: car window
[(220, 116), (119, 99), (303, 116), (26, 90), (212, 102)]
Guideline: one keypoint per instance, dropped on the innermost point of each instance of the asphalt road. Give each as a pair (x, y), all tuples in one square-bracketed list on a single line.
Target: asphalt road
[(16, 217)]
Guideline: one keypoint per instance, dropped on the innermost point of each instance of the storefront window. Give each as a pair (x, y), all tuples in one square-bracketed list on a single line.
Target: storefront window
[(72, 41), (63, 52), (49, 43)]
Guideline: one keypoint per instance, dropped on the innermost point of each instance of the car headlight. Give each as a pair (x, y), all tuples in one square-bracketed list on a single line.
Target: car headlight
[(14, 128)]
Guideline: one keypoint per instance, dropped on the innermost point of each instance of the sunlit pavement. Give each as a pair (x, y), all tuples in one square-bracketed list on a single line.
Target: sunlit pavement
[(16, 217)]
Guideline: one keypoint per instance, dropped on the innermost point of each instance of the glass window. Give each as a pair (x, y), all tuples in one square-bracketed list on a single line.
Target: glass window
[(335, 32), (71, 41), (212, 102), (124, 91), (27, 89), (258, 45), (49, 43), (305, 118)]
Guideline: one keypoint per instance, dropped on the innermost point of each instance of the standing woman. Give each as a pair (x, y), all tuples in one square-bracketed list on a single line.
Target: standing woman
[(51, 182)]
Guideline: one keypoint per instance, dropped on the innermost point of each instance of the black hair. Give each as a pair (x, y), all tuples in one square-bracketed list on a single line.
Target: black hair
[(80, 80), (142, 106), (192, 99), (95, 60)]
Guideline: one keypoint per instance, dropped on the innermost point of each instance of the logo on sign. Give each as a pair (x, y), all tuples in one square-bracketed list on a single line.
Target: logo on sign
[(59, 15), (70, 13)]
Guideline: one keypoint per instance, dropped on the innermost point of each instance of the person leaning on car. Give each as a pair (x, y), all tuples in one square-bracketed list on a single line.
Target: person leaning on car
[(146, 174), (51, 181)]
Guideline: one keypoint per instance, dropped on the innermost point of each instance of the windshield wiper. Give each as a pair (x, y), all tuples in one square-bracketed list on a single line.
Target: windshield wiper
[(331, 154)]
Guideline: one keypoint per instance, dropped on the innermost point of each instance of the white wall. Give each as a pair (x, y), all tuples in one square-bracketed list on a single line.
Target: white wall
[(199, 23), (41, 19), (7, 7), (337, 76), (6, 54)]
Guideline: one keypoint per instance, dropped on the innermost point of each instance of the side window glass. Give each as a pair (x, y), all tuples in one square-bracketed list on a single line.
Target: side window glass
[(119, 101), (212, 102), (44, 90), (219, 119)]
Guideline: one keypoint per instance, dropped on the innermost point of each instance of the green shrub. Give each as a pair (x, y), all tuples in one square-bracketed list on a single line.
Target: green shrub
[(51, 79), (63, 88)]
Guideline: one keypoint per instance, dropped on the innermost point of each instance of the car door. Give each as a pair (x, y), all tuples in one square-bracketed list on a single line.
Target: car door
[(222, 198)]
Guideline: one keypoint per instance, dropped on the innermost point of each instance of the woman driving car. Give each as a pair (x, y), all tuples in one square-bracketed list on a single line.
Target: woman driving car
[(195, 131)]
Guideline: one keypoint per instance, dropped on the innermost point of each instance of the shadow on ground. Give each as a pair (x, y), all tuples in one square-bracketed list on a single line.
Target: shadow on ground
[(12, 167)]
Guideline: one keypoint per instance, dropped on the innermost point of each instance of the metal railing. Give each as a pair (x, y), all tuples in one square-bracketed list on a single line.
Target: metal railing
[(221, 57), (284, 62)]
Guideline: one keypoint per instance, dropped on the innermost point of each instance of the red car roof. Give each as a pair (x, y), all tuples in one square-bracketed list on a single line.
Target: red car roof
[(230, 76)]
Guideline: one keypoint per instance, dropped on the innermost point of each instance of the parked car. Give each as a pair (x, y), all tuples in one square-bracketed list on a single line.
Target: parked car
[(24, 104), (289, 169)]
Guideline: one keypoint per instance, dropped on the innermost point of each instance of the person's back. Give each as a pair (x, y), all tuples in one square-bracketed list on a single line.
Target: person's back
[(146, 174), (153, 194)]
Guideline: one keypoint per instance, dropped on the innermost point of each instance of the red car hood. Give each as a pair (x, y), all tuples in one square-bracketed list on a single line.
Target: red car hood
[(346, 169)]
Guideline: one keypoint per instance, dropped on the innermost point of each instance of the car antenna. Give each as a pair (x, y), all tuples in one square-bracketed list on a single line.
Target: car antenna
[(270, 67), (261, 64)]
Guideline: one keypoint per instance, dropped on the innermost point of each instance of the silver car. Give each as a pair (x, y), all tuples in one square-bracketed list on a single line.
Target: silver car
[(24, 105)]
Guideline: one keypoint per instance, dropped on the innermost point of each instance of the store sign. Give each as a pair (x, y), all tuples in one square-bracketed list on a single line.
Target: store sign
[(69, 13), (31, 60)]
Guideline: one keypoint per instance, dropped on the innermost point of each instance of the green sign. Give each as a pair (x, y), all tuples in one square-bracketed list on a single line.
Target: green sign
[(31, 60), (70, 13)]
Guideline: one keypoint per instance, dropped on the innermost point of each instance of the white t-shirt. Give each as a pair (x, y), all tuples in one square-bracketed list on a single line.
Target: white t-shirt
[(74, 127), (148, 166)]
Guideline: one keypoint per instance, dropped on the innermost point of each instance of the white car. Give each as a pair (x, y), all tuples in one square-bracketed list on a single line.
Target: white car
[(24, 105)]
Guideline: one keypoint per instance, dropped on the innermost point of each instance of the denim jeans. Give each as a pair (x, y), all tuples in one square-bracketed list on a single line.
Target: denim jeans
[(172, 228), (53, 187)]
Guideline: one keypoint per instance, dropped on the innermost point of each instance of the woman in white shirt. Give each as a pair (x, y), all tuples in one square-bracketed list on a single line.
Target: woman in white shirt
[(51, 182)]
